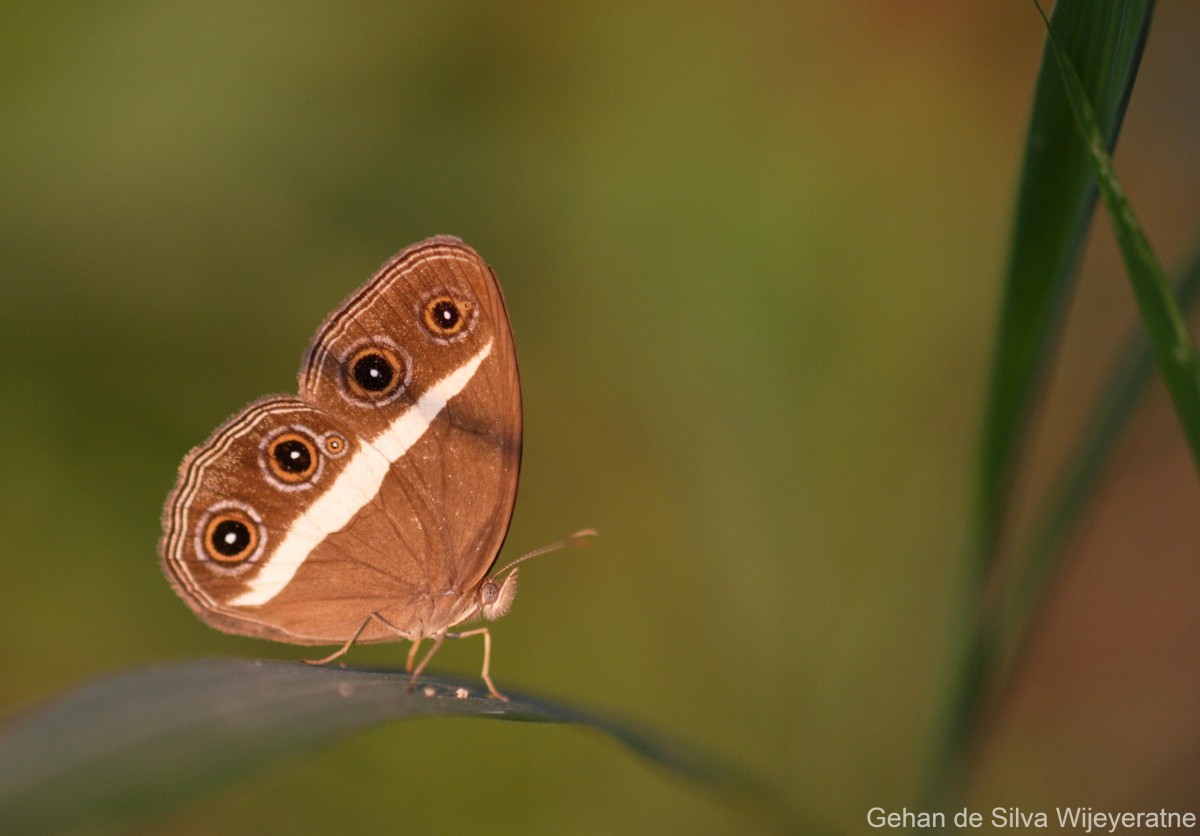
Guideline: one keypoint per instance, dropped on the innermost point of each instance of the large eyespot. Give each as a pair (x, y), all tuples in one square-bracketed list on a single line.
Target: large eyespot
[(292, 457), (375, 373), (448, 315), (230, 537)]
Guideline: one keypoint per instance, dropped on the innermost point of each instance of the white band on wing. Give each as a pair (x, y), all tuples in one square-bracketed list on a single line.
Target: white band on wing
[(355, 486)]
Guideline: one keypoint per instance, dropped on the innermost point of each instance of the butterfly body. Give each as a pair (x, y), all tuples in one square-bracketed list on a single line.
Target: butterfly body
[(372, 505)]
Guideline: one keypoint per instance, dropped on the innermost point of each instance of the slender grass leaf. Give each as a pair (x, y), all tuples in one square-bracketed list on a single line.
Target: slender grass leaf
[(1173, 348), (1105, 39), (142, 742), (1041, 556)]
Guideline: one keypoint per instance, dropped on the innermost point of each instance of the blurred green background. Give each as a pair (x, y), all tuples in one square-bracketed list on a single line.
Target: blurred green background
[(751, 255)]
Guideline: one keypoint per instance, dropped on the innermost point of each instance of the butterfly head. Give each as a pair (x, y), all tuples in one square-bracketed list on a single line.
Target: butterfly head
[(496, 596)]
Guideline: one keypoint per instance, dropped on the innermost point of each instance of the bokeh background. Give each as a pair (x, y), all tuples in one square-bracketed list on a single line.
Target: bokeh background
[(752, 257)]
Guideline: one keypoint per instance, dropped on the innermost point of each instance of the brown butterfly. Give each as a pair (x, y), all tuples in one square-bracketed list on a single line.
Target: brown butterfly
[(372, 507)]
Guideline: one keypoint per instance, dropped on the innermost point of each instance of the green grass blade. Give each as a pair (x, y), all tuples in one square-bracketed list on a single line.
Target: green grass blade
[(1105, 39), (1074, 488), (145, 741), (1057, 193), (1173, 349)]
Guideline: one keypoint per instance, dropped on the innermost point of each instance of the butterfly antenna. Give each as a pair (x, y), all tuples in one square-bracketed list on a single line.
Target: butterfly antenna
[(579, 538)]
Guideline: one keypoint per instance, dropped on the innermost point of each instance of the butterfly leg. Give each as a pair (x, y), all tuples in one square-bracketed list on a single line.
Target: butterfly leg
[(343, 649), (437, 643), (412, 654), (487, 657), (346, 647)]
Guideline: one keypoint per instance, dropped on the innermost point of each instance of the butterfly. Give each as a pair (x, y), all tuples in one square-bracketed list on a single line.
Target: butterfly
[(372, 506)]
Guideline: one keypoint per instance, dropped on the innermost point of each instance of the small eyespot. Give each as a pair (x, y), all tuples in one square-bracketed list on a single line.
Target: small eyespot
[(292, 458), (375, 373), (230, 537), (443, 317), (448, 316), (335, 444)]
